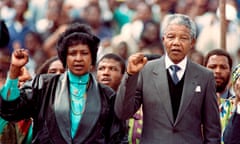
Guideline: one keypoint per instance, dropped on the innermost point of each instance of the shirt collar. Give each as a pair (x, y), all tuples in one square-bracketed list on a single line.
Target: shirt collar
[(182, 64), (225, 94), (83, 79)]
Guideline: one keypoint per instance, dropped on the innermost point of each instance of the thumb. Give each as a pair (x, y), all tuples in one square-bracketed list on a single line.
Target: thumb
[(145, 60)]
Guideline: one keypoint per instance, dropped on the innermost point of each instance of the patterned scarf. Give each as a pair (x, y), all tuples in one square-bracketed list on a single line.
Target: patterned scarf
[(236, 73)]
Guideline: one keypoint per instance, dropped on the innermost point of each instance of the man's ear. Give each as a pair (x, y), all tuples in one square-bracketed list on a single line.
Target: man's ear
[(162, 38), (193, 42)]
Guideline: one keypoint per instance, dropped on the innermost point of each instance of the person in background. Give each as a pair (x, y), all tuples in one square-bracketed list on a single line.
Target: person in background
[(24, 77), (12, 132), (122, 50), (20, 26), (52, 65), (92, 15), (7, 12), (196, 56), (220, 62), (208, 38), (33, 43), (68, 108), (52, 25), (232, 132), (178, 97), (21, 131), (150, 35), (110, 70)]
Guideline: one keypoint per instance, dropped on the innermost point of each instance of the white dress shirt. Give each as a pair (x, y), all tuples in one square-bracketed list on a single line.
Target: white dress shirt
[(182, 64)]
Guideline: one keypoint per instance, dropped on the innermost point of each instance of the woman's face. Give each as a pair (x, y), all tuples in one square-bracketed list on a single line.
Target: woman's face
[(56, 67), (79, 59)]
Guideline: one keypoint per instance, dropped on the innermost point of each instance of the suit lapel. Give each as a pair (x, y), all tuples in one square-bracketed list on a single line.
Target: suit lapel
[(189, 86), (61, 107), (161, 84)]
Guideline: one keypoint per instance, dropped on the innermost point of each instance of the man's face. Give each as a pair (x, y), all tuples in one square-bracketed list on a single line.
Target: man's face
[(222, 71), (109, 73), (177, 42)]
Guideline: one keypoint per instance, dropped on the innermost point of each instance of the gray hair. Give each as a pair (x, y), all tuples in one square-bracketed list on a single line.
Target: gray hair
[(179, 19)]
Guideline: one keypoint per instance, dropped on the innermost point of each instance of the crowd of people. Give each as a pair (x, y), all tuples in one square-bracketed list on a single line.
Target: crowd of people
[(119, 71)]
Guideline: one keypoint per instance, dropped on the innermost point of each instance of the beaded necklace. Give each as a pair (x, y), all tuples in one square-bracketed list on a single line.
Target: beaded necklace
[(78, 94)]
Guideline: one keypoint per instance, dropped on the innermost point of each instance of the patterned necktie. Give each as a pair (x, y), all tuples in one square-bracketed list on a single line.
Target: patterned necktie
[(174, 76)]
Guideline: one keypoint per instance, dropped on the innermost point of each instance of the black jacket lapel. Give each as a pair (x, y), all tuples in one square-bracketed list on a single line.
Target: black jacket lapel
[(61, 107)]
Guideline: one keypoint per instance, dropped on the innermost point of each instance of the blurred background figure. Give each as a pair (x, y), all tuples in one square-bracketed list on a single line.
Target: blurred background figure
[(25, 76), (209, 37), (196, 56), (123, 12), (164, 8), (52, 19), (150, 38), (33, 43), (131, 31), (52, 65), (52, 25), (20, 26), (122, 50), (203, 12), (7, 11), (92, 15)]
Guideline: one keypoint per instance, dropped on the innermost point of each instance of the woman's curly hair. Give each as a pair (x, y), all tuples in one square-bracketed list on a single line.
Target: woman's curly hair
[(77, 34)]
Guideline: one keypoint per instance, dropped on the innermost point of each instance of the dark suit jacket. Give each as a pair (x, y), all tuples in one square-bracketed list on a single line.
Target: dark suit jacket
[(197, 121), (232, 132), (47, 101)]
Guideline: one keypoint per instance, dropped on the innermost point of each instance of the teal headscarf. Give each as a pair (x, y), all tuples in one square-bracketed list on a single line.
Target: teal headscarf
[(236, 73)]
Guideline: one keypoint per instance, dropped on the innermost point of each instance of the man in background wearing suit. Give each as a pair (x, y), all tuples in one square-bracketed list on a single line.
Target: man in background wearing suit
[(178, 110)]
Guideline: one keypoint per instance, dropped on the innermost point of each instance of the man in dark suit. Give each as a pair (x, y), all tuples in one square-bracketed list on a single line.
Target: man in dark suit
[(178, 110)]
